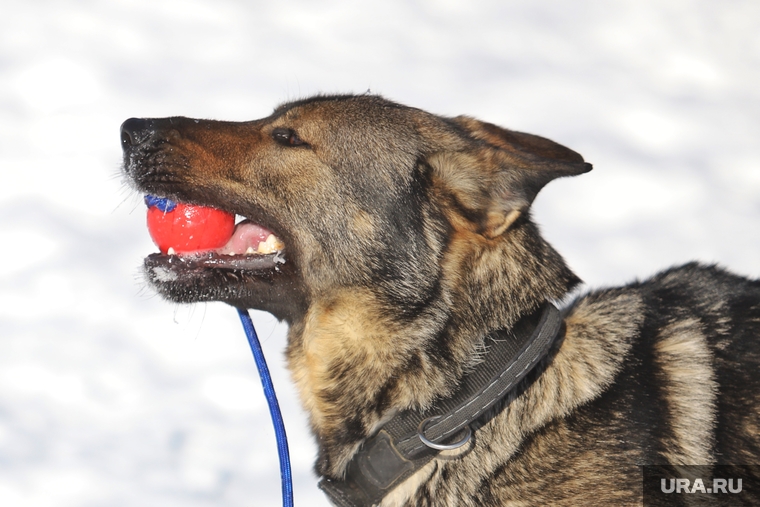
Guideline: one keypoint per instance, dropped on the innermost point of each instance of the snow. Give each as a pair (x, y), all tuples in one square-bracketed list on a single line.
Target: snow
[(111, 396)]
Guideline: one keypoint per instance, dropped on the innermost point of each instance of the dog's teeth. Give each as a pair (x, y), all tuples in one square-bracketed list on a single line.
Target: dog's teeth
[(271, 245), (250, 251), (171, 251)]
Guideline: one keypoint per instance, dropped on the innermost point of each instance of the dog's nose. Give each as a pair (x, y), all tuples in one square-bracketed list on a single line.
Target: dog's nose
[(135, 131)]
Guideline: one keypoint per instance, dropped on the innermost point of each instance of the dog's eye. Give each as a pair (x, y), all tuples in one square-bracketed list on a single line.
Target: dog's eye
[(287, 137)]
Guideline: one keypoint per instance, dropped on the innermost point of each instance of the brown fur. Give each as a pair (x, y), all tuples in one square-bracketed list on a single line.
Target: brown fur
[(408, 239)]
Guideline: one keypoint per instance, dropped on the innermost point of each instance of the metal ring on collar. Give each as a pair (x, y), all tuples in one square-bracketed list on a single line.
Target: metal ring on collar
[(441, 447)]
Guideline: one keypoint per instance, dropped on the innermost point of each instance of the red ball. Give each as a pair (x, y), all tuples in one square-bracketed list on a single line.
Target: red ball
[(190, 228)]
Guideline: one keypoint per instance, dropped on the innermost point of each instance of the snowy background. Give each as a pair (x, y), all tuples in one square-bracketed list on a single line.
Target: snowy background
[(111, 397)]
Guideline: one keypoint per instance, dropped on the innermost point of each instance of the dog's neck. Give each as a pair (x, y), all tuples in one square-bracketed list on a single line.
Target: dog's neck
[(356, 365)]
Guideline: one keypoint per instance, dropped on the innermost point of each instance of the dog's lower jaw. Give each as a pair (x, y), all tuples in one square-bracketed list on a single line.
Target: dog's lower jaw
[(276, 288)]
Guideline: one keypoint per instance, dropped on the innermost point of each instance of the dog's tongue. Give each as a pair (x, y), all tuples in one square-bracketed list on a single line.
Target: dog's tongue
[(179, 228), (248, 238)]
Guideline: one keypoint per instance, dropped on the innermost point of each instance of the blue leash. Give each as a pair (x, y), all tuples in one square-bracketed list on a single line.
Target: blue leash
[(274, 407)]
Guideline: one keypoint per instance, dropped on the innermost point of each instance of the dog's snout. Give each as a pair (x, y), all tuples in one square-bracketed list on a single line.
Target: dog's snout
[(135, 131)]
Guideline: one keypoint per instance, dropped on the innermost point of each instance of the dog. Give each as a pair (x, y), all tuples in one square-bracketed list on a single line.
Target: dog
[(408, 257)]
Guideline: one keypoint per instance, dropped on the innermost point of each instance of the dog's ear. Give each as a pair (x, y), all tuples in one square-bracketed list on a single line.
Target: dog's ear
[(496, 173)]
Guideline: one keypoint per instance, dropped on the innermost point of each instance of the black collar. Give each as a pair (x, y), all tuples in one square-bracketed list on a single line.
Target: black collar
[(399, 449)]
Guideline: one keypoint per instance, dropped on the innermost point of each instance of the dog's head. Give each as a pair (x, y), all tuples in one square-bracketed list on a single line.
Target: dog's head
[(361, 191)]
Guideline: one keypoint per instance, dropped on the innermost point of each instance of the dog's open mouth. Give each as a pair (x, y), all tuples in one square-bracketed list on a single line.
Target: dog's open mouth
[(251, 268), (252, 249)]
